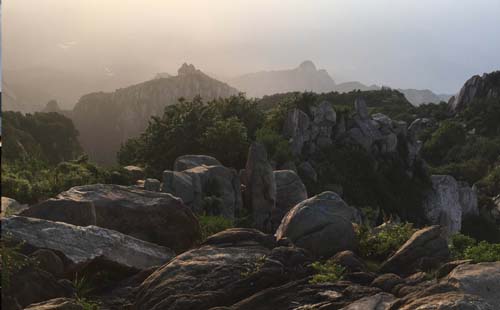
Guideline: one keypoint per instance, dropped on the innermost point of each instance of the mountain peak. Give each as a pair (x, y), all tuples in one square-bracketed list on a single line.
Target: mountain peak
[(187, 69), (307, 65)]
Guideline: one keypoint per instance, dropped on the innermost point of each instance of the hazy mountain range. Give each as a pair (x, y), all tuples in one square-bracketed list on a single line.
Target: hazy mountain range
[(306, 77), (30, 89)]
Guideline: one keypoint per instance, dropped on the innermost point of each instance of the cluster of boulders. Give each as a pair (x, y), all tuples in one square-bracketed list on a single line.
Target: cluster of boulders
[(377, 133)]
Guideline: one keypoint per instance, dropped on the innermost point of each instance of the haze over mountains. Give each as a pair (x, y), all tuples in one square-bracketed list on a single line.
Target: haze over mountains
[(29, 90)]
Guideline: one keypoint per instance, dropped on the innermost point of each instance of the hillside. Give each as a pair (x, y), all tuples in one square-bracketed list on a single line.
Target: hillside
[(105, 120)]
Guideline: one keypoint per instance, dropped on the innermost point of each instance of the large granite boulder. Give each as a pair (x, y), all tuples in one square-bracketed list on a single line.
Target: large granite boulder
[(361, 108), (11, 207), (441, 204), (426, 249), (289, 191), (155, 217), (230, 266), (135, 173), (152, 185), (481, 279), (260, 187), (84, 245), (213, 190), (380, 301), (448, 201), (190, 161), (321, 224), (447, 301)]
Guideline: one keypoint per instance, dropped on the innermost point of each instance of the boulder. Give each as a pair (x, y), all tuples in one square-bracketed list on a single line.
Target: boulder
[(135, 172), (296, 130), (190, 161), (11, 207), (387, 281), (233, 265), (289, 191), (380, 301), (83, 245), (152, 185), (426, 249), (350, 261), (448, 301), (481, 279), (321, 224), (81, 213), (155, 217), (260, 192), (57, 304), (442, 204), (213, 190)]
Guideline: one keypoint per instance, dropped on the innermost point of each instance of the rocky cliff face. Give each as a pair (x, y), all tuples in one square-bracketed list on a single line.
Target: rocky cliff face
[(105, 120), (485, 86)]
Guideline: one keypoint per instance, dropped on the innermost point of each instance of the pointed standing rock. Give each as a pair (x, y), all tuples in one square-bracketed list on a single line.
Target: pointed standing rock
[(260, 193)]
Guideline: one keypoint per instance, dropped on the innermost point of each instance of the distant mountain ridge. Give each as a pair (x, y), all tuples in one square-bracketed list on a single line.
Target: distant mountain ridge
[(105, 120), (306, 77)]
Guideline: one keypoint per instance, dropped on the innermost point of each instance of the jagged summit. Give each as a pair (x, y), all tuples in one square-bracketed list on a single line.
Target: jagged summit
[(485, 86), (187, 69)]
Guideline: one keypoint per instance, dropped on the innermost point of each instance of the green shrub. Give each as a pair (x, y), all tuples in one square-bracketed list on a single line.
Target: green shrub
[(277, 147), (12, 261), (459, 243), (379, 245), (465, 247), (328, 271), (212, 224), (483, 252), (480, 229)]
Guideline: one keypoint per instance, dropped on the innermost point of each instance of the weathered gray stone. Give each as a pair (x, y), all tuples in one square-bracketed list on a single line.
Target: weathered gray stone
[(190, 161), (152, 185), (380, 301), (260, 193), (155, 217), (135, 172), (481, 279), (82, 245), (425, 249), (321, 224), (448, 301), (196, 185), (442, 204), (289, 191), (11, 207)]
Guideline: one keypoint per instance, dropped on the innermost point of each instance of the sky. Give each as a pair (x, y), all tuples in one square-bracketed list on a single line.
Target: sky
[(425, 44)]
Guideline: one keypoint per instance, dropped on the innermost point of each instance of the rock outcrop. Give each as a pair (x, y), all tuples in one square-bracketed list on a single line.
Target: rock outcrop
[(84, 245), (230, 266), (289, 191), (11, 207), (213, 190), (260, 187), (425, 249), (155, 217), (481, 279), (485, 86), (321, 224), (448, 202)]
